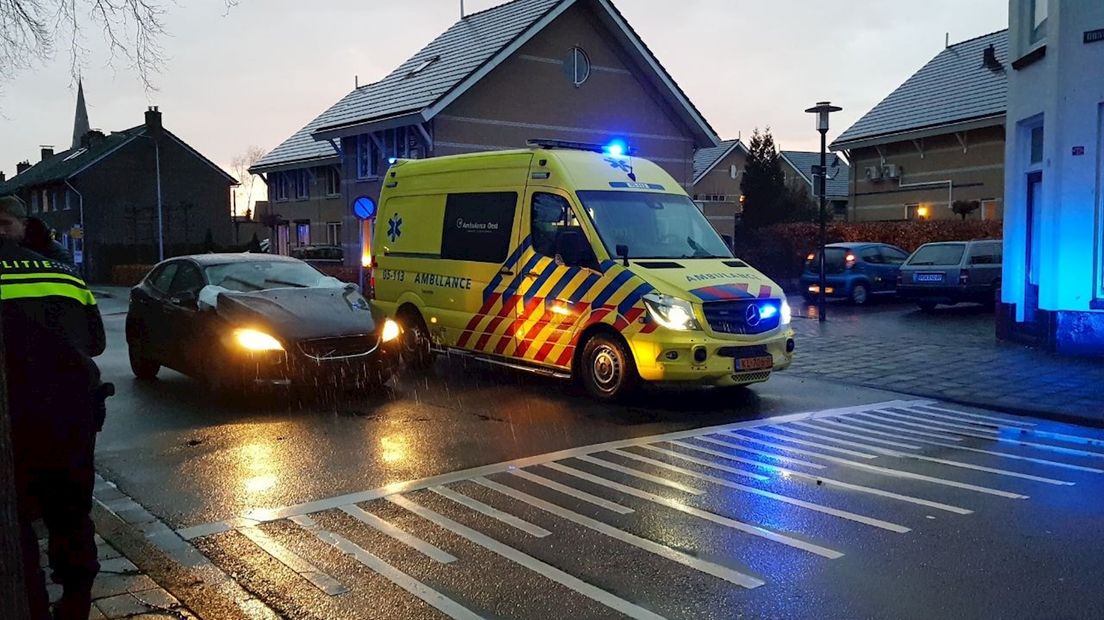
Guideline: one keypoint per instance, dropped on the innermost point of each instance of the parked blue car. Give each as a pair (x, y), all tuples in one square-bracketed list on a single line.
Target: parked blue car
[(854, 271)]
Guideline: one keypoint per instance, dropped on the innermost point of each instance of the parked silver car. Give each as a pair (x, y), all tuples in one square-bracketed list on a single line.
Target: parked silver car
[(951, 273)]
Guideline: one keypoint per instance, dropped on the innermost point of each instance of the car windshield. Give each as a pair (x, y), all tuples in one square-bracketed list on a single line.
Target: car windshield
[(939, 254), (246, 276), (652, 225)]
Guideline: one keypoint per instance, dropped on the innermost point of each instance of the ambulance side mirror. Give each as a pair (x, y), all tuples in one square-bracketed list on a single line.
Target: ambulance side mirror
[(623, 253)]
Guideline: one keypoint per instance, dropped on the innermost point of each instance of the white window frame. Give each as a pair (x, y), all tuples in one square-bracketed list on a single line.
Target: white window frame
[(302, 184), (34, 201), (300, 239), (367, 157), (280, 187), (333, 233), (1037, 28)]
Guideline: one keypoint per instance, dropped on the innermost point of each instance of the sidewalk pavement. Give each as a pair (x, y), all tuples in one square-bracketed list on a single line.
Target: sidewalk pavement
[(121, 590), (952, 355)]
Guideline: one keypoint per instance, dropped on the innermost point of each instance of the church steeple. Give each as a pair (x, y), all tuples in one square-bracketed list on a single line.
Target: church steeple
[(80, 122)]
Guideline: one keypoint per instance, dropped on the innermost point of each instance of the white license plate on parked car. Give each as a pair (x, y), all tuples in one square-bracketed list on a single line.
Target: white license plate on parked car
[(754, 363), (928, 277)]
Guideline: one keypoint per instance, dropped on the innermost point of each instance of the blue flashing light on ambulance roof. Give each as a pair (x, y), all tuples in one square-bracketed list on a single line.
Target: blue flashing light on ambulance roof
[(616, 148)]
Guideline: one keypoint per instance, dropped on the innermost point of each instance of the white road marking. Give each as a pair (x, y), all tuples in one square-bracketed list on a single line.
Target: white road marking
[(284, 512), (650, 546), (438, 601), (701, 514), (1089, 441), (717, 466), (843, 514), (979, 416), (896, 473), (818, 480), (896, 419), (526, 560), (811, 444), (921, 416), (768, 444), (861, 429), (873, 421), (431, 551), (813, 426), (780, 458), (292, 560), (950, 463), (491, 511), (628, 471), (576, 493)]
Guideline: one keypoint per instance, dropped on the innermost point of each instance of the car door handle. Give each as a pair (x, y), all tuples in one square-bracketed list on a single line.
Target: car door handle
[(505, 272)]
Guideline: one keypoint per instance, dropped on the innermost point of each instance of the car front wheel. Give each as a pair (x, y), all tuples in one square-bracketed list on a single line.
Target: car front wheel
[(607, 369), (144, 368), (859, 294), (417, 353)]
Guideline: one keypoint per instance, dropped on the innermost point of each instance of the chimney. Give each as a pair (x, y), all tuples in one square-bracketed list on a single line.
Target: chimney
[(22, 167), (3, 177), (92, 138), (989, 59), (153, 118), (47, 151)]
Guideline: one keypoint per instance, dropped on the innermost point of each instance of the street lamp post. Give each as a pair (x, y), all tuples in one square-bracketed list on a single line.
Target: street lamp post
[(822, 109)]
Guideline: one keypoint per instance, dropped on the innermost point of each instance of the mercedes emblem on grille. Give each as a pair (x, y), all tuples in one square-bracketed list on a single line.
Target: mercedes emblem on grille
[(751, 316)]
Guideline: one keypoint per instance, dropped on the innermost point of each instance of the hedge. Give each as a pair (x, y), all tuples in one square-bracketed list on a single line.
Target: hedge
[(779, 251)]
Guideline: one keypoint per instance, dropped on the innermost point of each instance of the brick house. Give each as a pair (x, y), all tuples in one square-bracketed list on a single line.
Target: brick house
[(559, 69), (716, 187), (102, 196), (937, 138), (797, 168)]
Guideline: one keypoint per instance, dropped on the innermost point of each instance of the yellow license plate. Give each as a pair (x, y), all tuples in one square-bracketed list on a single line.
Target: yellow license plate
[(754, 363)]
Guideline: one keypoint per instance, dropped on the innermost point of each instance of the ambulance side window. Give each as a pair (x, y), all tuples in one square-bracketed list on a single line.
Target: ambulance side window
[(478, 226), (556, 232)]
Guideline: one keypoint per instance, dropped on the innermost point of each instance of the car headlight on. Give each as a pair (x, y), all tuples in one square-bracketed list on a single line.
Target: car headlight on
[(787, 313), (391, 331), (671, 312), (255, 340)]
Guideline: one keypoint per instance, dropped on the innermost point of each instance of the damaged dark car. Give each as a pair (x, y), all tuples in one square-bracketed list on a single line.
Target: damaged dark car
[(237, 321)]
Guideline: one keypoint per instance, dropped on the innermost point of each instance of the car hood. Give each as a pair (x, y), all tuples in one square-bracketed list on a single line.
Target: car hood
[(300, 313), (707, 279)]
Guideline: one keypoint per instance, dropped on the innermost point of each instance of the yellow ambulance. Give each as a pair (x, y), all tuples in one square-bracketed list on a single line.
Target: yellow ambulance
[(571, 259)]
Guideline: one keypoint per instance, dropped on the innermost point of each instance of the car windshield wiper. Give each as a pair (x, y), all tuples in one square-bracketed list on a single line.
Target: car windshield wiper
[(921, 264), (286, 283), (245, 282)]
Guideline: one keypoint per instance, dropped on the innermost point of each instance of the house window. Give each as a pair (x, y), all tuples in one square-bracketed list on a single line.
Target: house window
[(1036, 154), (68, 203), (332, 179), (302, 184), (367, 157), (45, 201), (333, 233), (34, 202), (302, 233), (281, 186), (918, 212), (1100, 208), (577, 66), (1038, 20)]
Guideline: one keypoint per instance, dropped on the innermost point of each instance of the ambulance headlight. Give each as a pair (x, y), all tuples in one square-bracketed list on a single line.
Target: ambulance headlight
[(391, 331), (787, 314), (671, 312)]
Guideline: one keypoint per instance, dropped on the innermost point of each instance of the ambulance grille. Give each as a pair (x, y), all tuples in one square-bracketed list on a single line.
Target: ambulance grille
[(730, 317)]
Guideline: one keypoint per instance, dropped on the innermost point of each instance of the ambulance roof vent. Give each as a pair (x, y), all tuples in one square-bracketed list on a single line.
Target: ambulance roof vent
[(579, 146)]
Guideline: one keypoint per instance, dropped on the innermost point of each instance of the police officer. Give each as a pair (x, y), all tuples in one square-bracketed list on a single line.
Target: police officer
[(52, 330)]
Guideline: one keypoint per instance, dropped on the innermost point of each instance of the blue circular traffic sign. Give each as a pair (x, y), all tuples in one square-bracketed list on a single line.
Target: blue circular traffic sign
[(364, 208)]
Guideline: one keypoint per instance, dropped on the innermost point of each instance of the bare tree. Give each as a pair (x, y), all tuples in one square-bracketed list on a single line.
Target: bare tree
[(31, 32), (240, 166)]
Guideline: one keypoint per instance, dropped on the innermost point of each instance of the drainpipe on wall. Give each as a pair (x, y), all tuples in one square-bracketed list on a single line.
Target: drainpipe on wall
[(80, 204)]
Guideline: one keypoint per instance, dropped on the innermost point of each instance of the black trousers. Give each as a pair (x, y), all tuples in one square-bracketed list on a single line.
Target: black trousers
[(56, 486)]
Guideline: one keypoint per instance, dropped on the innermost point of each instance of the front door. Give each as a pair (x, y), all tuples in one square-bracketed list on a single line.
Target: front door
[(564, 268), (1031, 261)]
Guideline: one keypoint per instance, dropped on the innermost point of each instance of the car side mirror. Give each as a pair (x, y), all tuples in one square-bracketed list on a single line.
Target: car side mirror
[(622, 251), (186, 299)]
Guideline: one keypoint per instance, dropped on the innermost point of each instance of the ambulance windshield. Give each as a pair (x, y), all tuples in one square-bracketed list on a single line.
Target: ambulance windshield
[(652, 225)]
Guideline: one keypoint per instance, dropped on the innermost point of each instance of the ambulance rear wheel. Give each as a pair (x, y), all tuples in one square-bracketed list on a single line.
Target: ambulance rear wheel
[(416, 351), (607, 369)]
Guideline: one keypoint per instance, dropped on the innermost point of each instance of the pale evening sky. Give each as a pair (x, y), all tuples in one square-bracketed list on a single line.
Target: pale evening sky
[(261, 72)]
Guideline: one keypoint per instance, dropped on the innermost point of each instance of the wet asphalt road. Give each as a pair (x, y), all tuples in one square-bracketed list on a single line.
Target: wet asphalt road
[(880, 506)]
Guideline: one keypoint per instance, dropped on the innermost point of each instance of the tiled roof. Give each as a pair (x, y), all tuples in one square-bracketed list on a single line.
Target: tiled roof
[(953, 87), (704, 159), (62, 165), (803, 162), (443, 64)]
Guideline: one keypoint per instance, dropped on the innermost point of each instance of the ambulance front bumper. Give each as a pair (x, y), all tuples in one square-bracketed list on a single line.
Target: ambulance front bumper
[(695, 358)]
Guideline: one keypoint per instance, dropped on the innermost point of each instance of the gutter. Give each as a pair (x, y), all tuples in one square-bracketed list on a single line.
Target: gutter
[(80, 203)]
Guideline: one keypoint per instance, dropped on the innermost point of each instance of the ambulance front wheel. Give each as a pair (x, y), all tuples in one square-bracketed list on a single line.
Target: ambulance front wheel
[(606, 368), (416, 351)]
